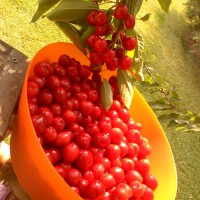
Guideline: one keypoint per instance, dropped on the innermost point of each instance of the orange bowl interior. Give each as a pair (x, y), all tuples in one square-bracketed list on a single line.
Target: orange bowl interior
[(35, 172)]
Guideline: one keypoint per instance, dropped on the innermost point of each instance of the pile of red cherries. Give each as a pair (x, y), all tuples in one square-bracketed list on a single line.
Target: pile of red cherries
[(100, 154)]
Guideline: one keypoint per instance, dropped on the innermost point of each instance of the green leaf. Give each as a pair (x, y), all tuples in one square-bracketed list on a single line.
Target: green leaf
[(125, 84), (140, 45), (43, 6), (165, 4), (134, 6), (72, 33), (72, 10), (173, 94), (106, 94), (159, 105), (145, 17)]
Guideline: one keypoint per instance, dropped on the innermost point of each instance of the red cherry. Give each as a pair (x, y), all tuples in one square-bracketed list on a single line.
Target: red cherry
[(39, 123), (49, 134), (98, 170), (95, 189), (64, 60), (106, 163), (71, 72), (91, 40), (32, 89), (127, 164), (65, 83), (118, 174), (70, 152), (137, 189), (47, 114), (129, 43), (59, 94), (125, 62), (86, 107), (101, 18), (69, 117), (42, 69), (45, 98), (83, 140), (108, 180), (129, 21), (124, 148), (84, 160), (113, 64), (133, 150), (39, 80), (60, 170), (120, 11), (145, 150), (119, 193), (113, 151), (132, 176), (89, 176), (63, 138), (59, 124), (100, 45), (116, 135), (150, 181), (108, 55), (101, 140), (91, 17), (73, 176), (143, 166), (148, 194)]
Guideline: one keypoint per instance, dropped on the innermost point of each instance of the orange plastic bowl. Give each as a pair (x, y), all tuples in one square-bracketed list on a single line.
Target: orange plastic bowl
[(35, 172)]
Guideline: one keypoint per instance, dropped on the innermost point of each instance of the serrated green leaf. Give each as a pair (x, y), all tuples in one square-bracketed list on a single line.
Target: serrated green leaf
[(125, 84), (44, 5), (72, 33), (134, 6), (106, 94), (72, 10), (140, 46), (145, 17), (165, 4)]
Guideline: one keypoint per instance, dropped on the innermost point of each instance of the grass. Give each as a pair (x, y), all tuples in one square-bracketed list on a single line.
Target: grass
[(164, 51)]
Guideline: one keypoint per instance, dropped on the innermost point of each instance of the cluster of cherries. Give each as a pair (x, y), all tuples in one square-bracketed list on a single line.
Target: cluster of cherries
[(108, 45), (101, 154)]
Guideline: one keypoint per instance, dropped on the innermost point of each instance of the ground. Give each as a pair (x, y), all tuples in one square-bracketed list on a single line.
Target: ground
[(164, 51)]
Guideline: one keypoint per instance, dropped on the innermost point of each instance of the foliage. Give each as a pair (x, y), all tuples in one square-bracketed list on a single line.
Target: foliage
[(193, 13), (168, 105)]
